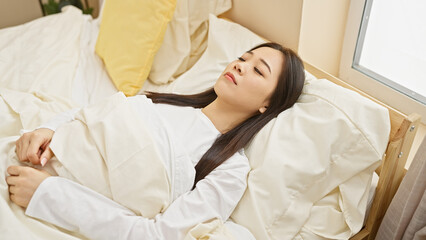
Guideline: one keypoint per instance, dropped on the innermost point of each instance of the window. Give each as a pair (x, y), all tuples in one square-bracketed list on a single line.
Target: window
[(384, 52), (391, 46)]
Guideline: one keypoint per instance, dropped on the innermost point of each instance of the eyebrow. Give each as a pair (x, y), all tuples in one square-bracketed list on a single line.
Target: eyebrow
[(262, 60)]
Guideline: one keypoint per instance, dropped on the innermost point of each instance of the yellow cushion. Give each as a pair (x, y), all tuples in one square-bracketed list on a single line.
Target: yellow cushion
[(131, 32)]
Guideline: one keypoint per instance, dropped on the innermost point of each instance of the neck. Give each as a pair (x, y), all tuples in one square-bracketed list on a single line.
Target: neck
[(223, 116)]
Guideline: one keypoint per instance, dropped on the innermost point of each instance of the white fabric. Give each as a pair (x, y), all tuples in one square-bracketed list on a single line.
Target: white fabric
[(194, 130), (91, 82), (200, 205), (184, 40), (190, 126), (115, 221), (226, 42), (227, 181), (23, 110), (291, 189), (60, 119), (110, 148), (41, 53)]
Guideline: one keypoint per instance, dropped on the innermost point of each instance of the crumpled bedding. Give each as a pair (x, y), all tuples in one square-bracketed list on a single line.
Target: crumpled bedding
[(37, 61), (14, 224), (120, 145), (39, 64)]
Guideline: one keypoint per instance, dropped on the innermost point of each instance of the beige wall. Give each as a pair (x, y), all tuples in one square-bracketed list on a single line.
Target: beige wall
[(322, 32), (313, 28), (15, 12), (275, 20)]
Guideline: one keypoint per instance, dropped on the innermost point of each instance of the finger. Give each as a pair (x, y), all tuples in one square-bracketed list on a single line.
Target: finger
[(46, 156), (11, 180), (45, 145), (18, 148), (13, 198), (22, 148), (13, 170), (17, 145), (33, 148), (12, 189), (18, 200)]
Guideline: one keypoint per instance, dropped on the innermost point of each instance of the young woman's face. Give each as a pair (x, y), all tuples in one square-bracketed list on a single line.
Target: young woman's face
[(248, 82)]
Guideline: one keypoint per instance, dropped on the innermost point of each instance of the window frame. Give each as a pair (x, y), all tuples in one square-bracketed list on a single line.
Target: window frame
[(364, 82)]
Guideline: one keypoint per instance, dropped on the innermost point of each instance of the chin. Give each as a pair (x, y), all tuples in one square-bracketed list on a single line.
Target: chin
[(222, 88)]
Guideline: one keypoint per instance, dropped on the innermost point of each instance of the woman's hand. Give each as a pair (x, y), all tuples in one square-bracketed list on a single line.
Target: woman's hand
[(34, 146), (23, 182)]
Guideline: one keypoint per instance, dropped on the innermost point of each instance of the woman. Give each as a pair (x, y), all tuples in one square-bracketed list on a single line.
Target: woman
[(251, 91)]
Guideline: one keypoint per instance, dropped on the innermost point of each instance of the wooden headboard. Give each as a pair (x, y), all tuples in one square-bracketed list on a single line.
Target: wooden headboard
[(391, 171)]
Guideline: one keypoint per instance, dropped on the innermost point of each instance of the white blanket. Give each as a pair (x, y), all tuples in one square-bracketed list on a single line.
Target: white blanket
[(48, 66), (37, 65), (111, 149), (14, 224), (39, 60)]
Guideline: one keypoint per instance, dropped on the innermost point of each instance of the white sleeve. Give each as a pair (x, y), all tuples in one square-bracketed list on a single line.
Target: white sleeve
[(60, 119), (77, 208)]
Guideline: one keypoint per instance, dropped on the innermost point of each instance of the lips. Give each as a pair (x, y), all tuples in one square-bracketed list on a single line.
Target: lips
[(230, 77)]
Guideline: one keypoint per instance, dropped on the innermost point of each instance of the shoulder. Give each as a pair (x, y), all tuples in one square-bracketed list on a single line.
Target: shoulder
[(230, 175), (238, 161)]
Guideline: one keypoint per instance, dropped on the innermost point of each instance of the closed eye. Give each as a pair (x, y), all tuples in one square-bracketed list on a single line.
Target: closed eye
[(257, 70)]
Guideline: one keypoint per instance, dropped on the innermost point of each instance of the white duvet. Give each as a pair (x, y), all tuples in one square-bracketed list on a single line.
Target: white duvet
[(37, 59)]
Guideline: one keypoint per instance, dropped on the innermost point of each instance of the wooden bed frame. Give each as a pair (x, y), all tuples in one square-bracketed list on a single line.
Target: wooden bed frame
[(391, 171)]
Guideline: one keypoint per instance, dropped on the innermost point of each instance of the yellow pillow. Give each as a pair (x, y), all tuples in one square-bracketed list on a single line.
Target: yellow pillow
[(131, 32)]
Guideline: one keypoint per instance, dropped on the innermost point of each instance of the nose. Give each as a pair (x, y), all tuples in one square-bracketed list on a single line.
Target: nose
[(239, 67)]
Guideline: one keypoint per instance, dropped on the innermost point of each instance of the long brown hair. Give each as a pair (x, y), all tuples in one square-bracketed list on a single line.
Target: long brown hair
[(288, 90)]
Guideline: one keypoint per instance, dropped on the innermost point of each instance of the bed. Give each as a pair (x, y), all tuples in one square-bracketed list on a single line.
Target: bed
[(62, 61)]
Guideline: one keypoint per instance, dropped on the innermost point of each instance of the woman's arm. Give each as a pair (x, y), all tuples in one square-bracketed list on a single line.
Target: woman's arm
[(60, 119), (77, 208), (33, 146)]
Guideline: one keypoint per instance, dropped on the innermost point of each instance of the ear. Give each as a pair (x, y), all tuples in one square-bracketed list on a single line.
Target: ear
[(263, 109)]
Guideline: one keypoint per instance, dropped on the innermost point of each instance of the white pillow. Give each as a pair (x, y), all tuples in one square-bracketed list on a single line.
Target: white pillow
[(221, 50), (312, 165), (185, 38)]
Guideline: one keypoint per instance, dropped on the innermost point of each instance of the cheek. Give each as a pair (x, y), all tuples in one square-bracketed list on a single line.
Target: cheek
[(252, 96), (257, 90)]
